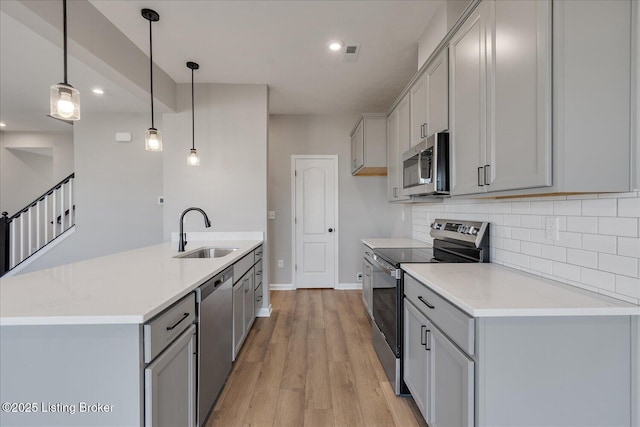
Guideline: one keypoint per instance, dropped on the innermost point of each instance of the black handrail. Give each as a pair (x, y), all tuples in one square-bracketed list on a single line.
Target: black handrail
[(41, 198), (4, 244)]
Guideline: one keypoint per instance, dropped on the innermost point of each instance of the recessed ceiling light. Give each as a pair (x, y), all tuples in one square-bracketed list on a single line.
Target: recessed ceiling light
[(3, 125), (98, 91), (336, 45)]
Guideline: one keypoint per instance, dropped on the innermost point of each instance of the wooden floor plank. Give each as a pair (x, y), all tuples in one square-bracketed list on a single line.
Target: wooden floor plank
[(312, 364)]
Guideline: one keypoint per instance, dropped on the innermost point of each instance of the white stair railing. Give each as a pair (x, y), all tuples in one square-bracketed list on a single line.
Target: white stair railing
[(37, 225)]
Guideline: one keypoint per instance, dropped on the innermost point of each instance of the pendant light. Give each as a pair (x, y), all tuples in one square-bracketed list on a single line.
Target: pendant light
[(193, 159), (152, 138), (64, 100)]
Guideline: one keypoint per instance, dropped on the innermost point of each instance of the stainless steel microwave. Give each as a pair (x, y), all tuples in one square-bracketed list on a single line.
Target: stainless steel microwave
[(425, 167)]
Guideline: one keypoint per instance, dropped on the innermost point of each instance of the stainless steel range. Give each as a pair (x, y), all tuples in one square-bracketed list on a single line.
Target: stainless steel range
[(453, 242)]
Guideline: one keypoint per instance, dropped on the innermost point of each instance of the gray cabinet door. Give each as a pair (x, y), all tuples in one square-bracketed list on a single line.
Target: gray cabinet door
[(249, 310), (468, 109), (393, 157), (418, 94), (357, 147), (519, 142), (416, 357), (437, 76), (451, 385), (170, 385), (238, 316), (366, 287)]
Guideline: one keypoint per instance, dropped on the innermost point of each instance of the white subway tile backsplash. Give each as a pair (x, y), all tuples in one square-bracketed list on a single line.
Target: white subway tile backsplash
[(623, 265), (521, 207), (600, 207), (542, 207), (512, 245), (569, 239), (555, 253), (629, 246), (583, 258), (629, 207), (597, 278), (582, 224), (531, 248), (541, 265), (531, 221), (618, 226), (567, 207), (598, 243), (566, 271), (597, 250), (520, 233), (628, 286)]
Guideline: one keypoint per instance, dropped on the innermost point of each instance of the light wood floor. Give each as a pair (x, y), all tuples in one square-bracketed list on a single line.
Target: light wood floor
[(311, 364)]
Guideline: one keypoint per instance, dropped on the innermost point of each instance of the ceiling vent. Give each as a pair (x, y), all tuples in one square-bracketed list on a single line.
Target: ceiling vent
[(351, 53)]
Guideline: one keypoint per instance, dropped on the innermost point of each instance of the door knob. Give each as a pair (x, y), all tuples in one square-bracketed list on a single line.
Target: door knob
[(331, 230)]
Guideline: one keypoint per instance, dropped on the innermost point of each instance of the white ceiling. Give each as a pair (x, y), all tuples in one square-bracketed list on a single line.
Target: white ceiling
[(284, 44), (30, 64), (279, 43)]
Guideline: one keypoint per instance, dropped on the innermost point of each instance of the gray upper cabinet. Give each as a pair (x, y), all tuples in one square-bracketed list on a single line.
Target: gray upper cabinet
[(500, 88), (398, 130), (368, 145), (430, 100)]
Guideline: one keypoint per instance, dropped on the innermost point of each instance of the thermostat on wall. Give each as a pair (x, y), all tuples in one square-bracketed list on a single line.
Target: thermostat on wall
[(123, 136)]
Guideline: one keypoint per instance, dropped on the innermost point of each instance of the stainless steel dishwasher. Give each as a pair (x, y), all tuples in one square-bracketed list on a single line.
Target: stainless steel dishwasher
[(215, 339)]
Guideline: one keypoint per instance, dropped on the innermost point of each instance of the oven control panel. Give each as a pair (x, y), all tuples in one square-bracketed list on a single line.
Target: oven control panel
[(467, 231)]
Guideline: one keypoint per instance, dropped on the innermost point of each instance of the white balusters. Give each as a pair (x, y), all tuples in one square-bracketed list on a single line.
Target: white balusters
[(29, 230)]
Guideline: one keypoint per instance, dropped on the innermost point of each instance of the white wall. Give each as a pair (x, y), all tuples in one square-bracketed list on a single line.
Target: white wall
[(115, 191), (363, 209), (599, 246), (438, 27), (25, 175), (231, 139)]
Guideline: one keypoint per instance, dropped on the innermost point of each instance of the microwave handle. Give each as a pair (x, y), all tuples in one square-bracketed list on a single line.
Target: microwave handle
[(420, 167)]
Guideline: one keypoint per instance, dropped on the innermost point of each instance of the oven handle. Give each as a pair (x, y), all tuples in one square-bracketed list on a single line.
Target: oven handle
[(393, 272)]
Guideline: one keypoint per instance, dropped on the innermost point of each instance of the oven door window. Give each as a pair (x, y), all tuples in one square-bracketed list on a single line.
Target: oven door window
[(385, 303)]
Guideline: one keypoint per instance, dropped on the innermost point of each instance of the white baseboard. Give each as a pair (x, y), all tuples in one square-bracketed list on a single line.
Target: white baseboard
[(348, 286), (339, 287), (265, 312), (281, 287)]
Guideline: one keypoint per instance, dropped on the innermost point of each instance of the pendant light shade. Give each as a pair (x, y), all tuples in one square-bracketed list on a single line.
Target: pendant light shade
[(64, 99), (193, 159), (153, 137)]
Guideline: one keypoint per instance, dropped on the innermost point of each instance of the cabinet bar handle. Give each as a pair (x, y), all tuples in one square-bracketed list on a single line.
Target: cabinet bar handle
[(479, 184), (486, 180), (423, 340), (425, 302), (258, 273), (426, 345), (395, 192), (184, 316)]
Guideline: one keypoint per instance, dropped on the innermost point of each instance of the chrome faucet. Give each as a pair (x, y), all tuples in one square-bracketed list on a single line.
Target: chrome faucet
[(183, 236)]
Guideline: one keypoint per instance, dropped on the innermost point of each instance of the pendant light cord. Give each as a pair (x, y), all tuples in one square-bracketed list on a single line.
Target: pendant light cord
[(193, 118), (64, 30), (150, 68)]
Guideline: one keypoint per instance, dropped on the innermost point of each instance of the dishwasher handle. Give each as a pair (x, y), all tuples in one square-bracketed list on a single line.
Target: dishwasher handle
[(212, 284)]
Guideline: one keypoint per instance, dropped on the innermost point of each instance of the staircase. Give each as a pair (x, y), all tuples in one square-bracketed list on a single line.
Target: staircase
[(37, 226)]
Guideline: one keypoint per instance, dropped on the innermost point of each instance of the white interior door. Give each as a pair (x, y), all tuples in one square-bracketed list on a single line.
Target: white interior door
[(315, 219)]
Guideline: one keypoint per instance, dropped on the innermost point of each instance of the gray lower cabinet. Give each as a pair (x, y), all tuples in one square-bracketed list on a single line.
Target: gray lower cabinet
[(170, 384), (539, 371), (367, 284), (247, 287), (438, 374)]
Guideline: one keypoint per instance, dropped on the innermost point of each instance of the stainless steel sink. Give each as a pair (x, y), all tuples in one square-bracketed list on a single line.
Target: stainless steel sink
[(207, 252)]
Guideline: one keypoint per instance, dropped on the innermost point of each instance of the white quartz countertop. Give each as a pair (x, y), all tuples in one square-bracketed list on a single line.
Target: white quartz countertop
[(490, 290), (127, 287), (377, 242)]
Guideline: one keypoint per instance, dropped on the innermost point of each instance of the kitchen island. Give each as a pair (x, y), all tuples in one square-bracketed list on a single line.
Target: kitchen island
[(72, 338), (504, 347)]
